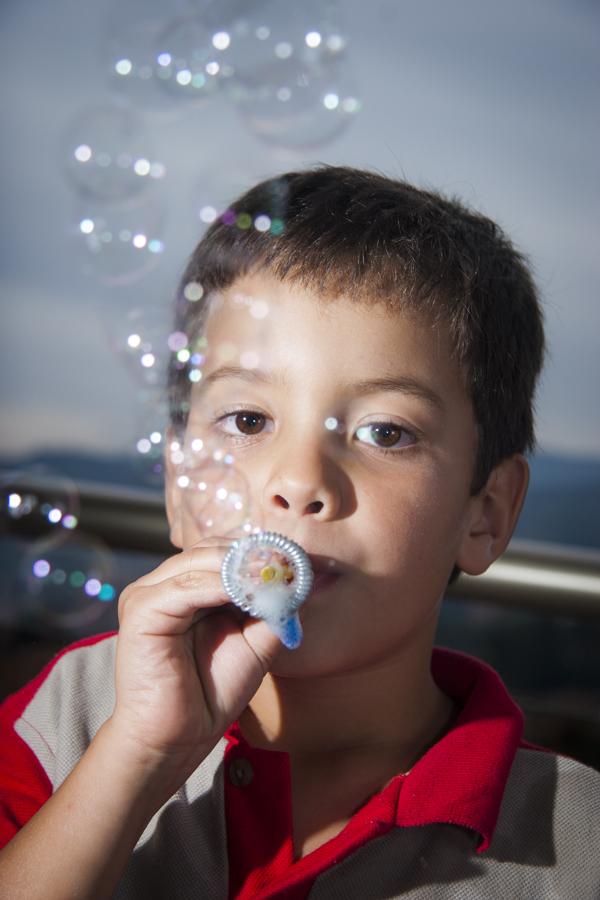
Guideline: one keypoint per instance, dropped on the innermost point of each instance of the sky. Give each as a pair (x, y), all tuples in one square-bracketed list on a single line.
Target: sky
[(494, 103)]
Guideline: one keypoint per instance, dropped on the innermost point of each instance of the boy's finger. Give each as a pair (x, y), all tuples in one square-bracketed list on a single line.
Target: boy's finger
[(172, 605), (201, 559)]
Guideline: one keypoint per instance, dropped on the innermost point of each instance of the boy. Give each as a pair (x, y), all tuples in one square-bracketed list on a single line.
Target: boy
[(370, 358)]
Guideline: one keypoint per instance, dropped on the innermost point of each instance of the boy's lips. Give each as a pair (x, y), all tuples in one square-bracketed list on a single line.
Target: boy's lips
[(326, 571)]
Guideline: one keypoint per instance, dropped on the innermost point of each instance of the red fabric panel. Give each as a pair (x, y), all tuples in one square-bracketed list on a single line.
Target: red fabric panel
[(24, 785), (459, 781)]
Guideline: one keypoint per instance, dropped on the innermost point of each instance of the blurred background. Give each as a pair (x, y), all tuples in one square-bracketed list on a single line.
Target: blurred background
[(128, 127)]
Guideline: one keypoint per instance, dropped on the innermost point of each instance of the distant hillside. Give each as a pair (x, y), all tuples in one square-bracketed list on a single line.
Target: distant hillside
[(563, 504)]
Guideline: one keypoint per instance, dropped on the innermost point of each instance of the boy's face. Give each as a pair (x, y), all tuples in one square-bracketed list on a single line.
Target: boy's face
[(393, 522)]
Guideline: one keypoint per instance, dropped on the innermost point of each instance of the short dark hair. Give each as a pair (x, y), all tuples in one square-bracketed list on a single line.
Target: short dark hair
[(342, 231)]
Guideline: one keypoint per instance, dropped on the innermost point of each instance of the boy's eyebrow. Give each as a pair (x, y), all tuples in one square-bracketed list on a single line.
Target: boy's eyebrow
[(404, 384)]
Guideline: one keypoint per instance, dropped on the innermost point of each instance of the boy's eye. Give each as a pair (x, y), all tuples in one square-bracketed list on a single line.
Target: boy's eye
[(244, 422), (385, 435)]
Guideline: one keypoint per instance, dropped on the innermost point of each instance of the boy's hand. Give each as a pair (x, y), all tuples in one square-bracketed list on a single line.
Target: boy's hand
[(187, 663)]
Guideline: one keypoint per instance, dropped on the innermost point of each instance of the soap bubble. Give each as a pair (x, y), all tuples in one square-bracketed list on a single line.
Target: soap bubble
[(297, 105), (290, 80), (131, 52), (65, 582), (109, 154), (192, 59), (150, 435), (142, 340), (119, 244), (35, 503), (214, 491)]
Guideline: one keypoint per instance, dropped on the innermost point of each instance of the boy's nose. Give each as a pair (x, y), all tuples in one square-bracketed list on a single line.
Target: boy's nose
[(304, 485)]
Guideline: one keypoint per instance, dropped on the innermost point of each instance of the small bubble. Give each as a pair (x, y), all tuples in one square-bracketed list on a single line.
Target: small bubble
[(83, 153), (41, 568), (262, 223), (141, 166), (331, 101), (208, 214), (92, 587), (313, 39), (193, 291), (184, 77), (123, 67), (221, 40), (283, 50), (158, 170)]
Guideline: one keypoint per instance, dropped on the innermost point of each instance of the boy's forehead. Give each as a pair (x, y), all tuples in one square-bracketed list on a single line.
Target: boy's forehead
[(262, 323)]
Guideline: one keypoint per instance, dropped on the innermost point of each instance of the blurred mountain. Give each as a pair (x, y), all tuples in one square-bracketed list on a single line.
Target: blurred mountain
[(562, 506)]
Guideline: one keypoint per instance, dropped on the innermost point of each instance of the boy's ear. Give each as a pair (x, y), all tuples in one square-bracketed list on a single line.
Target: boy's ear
[(493, 515), (173, 495)]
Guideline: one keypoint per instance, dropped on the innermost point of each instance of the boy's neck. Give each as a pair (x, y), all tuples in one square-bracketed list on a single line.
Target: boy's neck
[(393, 711)]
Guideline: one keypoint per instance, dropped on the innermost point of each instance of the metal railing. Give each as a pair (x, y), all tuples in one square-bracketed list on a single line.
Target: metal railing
[(548, 578)]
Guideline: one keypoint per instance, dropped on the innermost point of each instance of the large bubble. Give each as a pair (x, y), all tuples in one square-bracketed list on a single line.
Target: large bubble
[(109, 155), (296, 105), (291, 82), (214, 491), (134, 71), (119, 244), (65, 581), (144, 342), (192, 59), (36, 502)]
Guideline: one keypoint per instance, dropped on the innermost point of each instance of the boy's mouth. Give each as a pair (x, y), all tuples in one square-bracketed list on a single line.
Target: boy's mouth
[(324, 580), (326, 572)]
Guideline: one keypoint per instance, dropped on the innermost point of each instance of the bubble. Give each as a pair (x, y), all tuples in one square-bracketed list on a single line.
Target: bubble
[(149, 435), (146, 342), (37, 502), (214, 492), (108, 153), (194, 58), (297, 105), (119, 244), (291, 82), (64, 581), (134, 66)]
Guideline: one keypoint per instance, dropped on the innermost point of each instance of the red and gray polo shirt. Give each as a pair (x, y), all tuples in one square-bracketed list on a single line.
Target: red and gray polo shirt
[(481, 814)]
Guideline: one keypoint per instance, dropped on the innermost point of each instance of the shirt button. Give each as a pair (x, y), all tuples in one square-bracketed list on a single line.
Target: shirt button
[(241, 772)]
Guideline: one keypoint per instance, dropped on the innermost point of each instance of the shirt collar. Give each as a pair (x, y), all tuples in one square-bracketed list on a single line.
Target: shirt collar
[(461, 779)]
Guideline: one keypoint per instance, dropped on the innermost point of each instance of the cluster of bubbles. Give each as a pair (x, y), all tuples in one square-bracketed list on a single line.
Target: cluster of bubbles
[(119, 220), (283, 66), (214, 492), (61, 571)]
